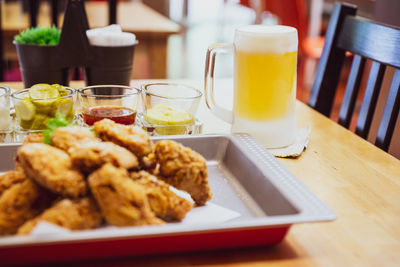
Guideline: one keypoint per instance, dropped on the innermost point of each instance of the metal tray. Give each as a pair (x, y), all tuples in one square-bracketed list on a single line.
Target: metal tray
[(243, 176)]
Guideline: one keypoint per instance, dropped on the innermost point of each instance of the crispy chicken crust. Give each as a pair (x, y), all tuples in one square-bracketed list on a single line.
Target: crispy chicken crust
[(51, 168), (183, 168), (129, 180), (163, 202), (92, 155), (149, 163), (78, 214), (122, 201), (9, 179), (133, 138), (67, 137), (18, 203), (34, 138)]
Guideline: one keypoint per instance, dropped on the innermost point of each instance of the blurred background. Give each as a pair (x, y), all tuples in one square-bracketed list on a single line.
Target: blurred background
[(174, 34)]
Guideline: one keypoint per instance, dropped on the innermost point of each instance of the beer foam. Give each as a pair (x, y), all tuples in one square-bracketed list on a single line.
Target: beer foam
[(266, 39)]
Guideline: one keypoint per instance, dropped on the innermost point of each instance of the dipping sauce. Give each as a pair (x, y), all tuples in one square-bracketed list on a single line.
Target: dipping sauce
[(122, 115), (164, 116)]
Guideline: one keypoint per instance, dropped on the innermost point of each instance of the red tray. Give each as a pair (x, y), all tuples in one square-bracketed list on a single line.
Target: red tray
[(244, 178)]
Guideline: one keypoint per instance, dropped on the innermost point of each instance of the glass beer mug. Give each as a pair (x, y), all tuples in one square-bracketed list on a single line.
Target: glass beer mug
[(265, 71)]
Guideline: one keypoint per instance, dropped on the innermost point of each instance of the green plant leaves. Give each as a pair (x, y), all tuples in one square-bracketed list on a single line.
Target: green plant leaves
[(39, 36), (52, 125)]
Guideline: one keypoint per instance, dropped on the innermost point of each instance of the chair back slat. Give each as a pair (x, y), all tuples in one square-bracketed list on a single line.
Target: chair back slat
[(390, 114), (368, 39), (351, 92), (370, 99), (331, 61)]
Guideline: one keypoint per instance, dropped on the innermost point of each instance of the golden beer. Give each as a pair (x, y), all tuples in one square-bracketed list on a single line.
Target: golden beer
[(264, 85), (265, 70)]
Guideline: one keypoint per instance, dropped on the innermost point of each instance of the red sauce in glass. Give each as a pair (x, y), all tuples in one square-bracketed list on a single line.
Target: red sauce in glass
[(122, 115)]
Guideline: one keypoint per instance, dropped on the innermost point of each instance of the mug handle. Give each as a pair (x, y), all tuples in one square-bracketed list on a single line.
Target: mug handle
[(222, 113)]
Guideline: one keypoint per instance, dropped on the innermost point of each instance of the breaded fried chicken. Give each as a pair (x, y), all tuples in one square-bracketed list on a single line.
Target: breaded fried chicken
[(19, 203), (122, 201), (51, 168), (34, 138), (92, 155), (149, 163), (163, 202), (133, 138), (184, 169), (66, 137), (9, 179), (78, 214)]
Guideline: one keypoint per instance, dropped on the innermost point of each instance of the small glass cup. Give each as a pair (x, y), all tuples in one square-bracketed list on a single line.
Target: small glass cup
[(5, 125), (114, 102), (33, 114), (170, 108)]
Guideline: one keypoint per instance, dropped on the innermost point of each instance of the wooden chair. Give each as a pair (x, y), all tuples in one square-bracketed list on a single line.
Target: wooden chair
[(54, 4), (366, 40), (33, 8)]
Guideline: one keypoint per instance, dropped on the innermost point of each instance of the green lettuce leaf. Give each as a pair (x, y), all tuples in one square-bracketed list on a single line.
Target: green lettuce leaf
[(52, 125)]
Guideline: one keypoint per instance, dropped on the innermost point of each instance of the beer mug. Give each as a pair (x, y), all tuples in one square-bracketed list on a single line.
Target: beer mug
[(265, 71)]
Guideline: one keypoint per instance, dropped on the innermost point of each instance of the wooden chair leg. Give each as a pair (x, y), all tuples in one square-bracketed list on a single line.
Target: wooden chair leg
[(33, 11), (112, 11)]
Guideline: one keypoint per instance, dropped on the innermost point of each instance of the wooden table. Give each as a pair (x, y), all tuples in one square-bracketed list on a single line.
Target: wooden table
[(151, 28), (360, 182)]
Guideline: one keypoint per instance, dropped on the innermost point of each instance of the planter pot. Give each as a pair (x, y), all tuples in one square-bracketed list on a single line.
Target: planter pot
[(38, 64), (51, 64), (110, 65)]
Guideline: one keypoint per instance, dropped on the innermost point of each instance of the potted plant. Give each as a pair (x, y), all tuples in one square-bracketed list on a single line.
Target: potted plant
[(47, 54), (38, 56)]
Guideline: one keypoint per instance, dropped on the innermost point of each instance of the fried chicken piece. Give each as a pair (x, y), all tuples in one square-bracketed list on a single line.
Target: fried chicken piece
[(92, 155), (9, 179), (184, 169), (19, 203), (34, 138), (51, 168), (149, 163), (133, 138), (122, 201), (163, 202), (71, 136), (78, 214)]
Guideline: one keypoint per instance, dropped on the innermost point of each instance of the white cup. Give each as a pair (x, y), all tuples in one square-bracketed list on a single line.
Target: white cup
[(265, 71)]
